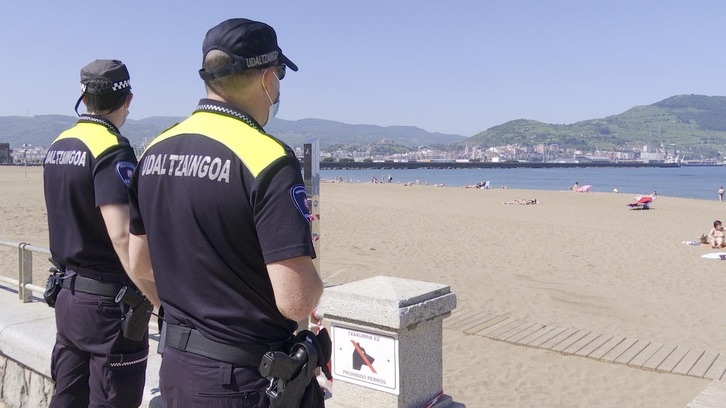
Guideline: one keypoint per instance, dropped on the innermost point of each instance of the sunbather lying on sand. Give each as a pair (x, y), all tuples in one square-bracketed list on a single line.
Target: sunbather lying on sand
[(522, 201)]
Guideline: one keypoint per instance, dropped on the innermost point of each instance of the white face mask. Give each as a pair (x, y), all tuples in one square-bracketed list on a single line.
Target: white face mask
[(272, 111), (274, 106), (125, 117)]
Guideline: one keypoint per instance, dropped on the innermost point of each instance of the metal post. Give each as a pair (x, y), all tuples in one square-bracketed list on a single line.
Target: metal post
[(311, 175), (25, 272), (311, 178), (25, 158)]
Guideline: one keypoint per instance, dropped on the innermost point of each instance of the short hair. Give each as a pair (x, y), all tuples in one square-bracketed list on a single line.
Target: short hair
[(103, 103), (716, 223), (236, 82)]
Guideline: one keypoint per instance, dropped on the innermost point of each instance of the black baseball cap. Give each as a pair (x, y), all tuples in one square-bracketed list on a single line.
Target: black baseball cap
[(104, 77), (250, 44), (111, 75)]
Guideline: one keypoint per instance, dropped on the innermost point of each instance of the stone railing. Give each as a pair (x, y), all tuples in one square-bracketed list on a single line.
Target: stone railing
[(387, 342)]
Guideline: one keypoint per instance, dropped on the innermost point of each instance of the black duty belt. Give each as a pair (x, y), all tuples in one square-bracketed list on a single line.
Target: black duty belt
[(192, 341), (92, 286)]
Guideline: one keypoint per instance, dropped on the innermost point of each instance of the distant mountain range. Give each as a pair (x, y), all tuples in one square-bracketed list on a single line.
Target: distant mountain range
[(693, 123), (687, 122), (42, 129)]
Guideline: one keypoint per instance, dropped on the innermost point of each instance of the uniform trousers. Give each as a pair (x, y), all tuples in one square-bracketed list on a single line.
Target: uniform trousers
[(191, 381), (92, 364)]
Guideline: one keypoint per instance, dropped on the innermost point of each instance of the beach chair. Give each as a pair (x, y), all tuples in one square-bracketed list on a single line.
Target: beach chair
[(641, 202)]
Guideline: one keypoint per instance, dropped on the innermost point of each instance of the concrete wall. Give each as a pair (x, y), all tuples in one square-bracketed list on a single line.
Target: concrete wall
[(27, 335), (411, 311)]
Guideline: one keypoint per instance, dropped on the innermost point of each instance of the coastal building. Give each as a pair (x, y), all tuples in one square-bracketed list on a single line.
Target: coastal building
[(4, 153), (647, 155), (26, 154)]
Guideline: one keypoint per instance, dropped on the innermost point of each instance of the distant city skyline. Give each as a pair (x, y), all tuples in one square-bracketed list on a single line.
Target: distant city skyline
[(456, 68)]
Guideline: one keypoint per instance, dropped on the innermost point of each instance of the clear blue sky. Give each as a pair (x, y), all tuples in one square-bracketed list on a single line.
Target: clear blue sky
[(451, 67)]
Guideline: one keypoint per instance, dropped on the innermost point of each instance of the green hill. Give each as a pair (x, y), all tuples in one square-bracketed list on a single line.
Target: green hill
[(694, 124)]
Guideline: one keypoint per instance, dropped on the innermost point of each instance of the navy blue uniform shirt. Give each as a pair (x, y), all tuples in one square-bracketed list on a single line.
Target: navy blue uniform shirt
[(219, 199), (86, 167)]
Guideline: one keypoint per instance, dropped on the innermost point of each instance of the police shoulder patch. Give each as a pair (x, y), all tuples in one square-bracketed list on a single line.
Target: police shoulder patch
[(300, 198), (124, 171)]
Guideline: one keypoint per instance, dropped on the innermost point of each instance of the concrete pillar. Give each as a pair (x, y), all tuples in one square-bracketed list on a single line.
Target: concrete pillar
[(387, 342)]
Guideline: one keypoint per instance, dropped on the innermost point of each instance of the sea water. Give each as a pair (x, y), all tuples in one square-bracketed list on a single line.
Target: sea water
[(700, 182)]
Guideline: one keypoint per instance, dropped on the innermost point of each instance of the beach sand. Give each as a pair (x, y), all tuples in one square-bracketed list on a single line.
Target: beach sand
[(580, 260)]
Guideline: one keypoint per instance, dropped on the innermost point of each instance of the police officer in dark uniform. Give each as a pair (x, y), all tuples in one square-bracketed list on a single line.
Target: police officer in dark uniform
[(86, 174), (219, 209)]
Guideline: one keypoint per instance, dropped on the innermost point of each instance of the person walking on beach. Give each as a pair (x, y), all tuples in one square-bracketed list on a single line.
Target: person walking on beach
[(85, 173), (720, 193), (220, 224)]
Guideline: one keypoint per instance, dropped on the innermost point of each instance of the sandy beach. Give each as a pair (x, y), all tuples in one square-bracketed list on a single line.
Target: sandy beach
[(581, 260)]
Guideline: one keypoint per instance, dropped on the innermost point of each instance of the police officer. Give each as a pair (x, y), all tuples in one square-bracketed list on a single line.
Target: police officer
[(86, 173), (219, 209)]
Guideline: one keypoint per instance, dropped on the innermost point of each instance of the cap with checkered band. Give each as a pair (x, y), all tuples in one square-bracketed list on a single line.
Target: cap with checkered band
[(102, 77), (250, 44)]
